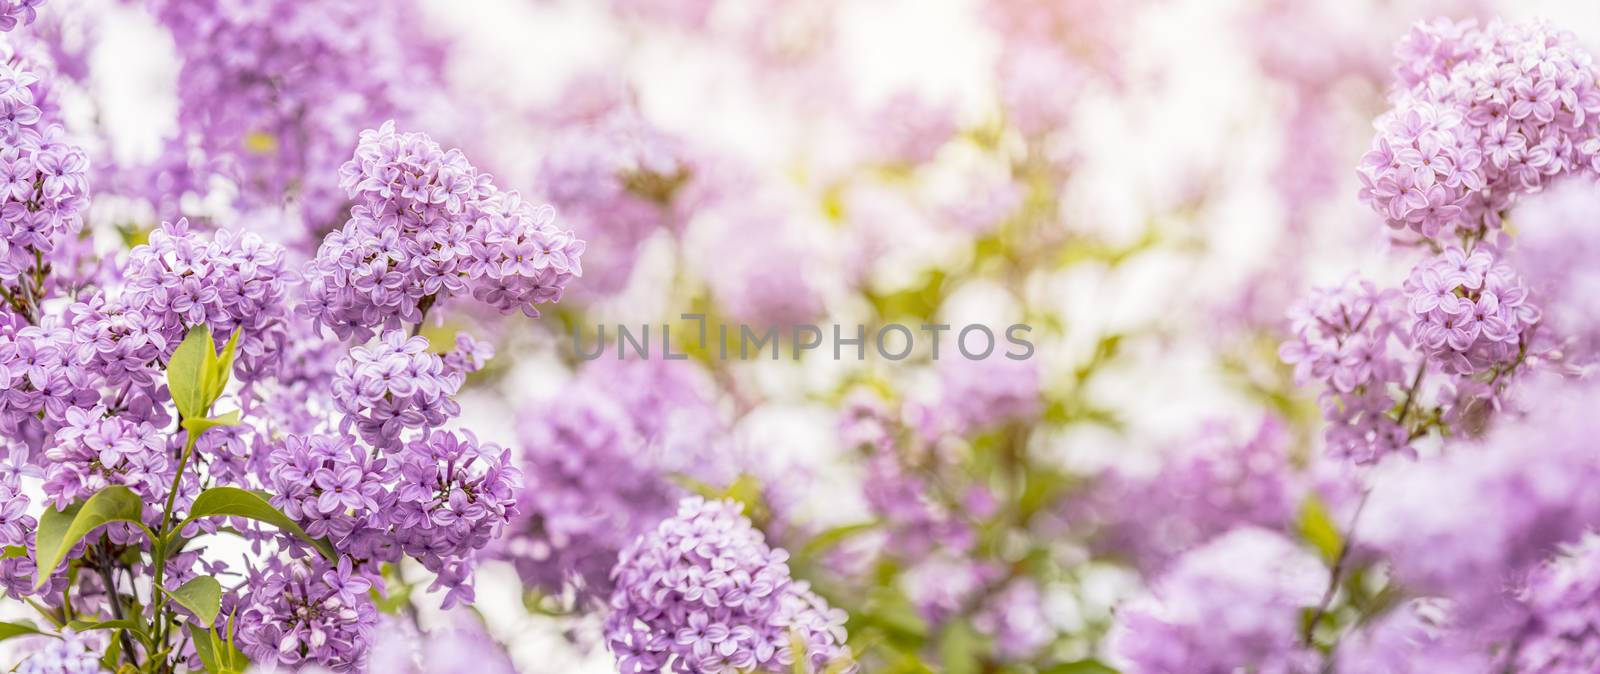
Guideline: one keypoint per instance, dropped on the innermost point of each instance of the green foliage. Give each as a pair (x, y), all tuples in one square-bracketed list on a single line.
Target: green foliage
[(16, 629), (1317, 528), (197, 374), (962, 648), (202, 596), (236, 502), (1079, 667), (219, 655), (59, 530)]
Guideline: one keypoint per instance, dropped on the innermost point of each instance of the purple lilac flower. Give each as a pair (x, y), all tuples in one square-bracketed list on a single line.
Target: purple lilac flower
[(764, 277), (392, 386), (979, 394), (93, 450), (1470, 313), (452, 496), (43, 178), (1415, 638), (1342, 338), (329, 484), (1556, 245), (601, 463), (15, 13), (272, 91), (1015, 618), (703, 593), (1563, 634), (38, 380), (1205, 487), (1233, 605), (178, 281), (1484, 115), (1469, 523), (615, 178), (307, 611), (427, 226), (73, 653)]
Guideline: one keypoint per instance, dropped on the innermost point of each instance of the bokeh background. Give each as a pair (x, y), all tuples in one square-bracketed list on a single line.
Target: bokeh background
[(1148, 183)]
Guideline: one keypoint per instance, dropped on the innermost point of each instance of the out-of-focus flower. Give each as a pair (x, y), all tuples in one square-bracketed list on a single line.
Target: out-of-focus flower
[(1234, 604)]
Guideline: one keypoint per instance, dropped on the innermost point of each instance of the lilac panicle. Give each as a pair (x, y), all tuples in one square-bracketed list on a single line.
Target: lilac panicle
[(703, 593)]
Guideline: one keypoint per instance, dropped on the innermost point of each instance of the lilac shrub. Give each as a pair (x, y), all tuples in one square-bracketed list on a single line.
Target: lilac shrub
[(341, 460), (1469, 547)]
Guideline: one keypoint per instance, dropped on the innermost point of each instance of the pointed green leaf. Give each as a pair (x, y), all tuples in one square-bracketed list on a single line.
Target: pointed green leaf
[(91, 625), (220, 367), (205, 645), (17, 629), (236, 502), (197, 426), (187, 372), (218, 656), (60, 530), (829, 538), (202, 596), (112, 655)]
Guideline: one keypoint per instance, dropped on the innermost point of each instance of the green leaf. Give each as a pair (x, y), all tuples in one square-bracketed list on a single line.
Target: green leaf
[(236, 502), (220, 367), (1079, 667), (218, 656), (10, 629), (961, 648), (91, 625), (1316, 527), (13, 551), (188, 370), (200, 425), (113, 654), (60, 530), (829, 538), (202, 596), (197, 374)]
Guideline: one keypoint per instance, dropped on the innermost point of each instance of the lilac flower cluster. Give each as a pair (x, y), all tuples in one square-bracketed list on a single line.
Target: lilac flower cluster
[(1205, 487), (44, 182), (980, 394), (1466, 525), (438, 496), (15, 13), (272, 91), (394, 385), (602, 462), (1470, 313), (617, 179), (1234, 604), (307, 611), (73, 653), (427, 226), (896, 487), (1344, 338), (704, 593), (1484, 115), (94, 450), (235, 281), (1563, 633)]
